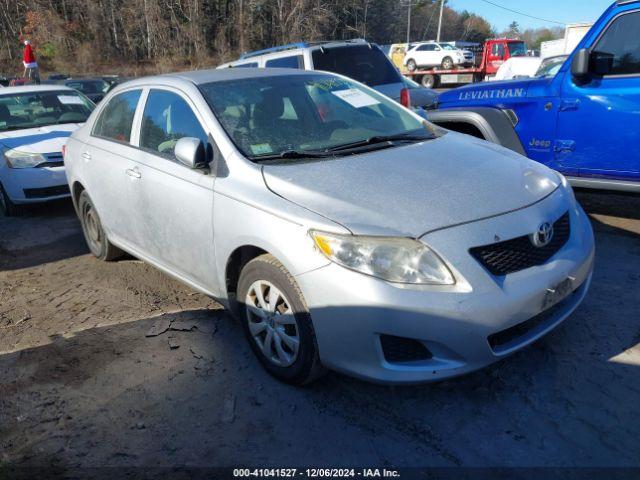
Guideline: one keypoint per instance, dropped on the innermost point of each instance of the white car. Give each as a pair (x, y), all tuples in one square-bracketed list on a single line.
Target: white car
[(433, 54), (518, 67), (35, 122), (343, 230)]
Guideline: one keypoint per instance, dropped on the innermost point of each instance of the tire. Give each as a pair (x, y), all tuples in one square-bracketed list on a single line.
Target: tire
[(94, 233), (447, 63), (411, 65), (9, 208), (429, 81), (284, 343)]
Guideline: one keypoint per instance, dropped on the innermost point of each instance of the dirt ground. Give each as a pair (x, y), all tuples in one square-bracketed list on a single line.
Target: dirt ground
[(83, 384)]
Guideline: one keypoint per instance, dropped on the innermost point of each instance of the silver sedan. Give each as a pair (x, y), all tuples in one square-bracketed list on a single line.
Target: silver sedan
[(343, 230)]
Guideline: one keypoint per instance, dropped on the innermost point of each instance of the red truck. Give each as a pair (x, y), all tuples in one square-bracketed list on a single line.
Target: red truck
[(489, 57)]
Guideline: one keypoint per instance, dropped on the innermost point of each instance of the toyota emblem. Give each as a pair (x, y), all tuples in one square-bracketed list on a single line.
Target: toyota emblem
[(543, 236)]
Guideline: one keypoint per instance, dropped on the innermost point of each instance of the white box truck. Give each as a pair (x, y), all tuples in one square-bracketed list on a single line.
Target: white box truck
[(572, 36)]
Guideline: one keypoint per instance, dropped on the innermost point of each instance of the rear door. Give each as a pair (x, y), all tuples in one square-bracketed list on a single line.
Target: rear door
[(109, 159), (173, 204), (598, 132)]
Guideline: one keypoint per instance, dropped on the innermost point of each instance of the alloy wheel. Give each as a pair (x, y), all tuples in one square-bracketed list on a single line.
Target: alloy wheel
[(272, 323)]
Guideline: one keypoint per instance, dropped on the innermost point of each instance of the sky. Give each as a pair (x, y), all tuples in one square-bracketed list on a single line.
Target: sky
[(564, 11)]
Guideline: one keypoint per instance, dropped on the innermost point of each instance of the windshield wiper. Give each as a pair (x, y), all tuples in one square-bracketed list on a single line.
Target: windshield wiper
[(293, 154), (382, 139)]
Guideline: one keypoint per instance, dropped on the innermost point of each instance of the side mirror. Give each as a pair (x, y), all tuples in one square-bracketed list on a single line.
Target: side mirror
[(190, 152), (580, 64)]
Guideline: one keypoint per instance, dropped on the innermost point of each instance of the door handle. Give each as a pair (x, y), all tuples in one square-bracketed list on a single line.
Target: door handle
[(565, 146), (134, 172), (86, 156), (569, 105)]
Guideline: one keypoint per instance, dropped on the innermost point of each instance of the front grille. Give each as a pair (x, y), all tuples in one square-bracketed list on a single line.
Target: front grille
[(53, 160), (519, 253), (403, 350), (511, 337), (46, 192)]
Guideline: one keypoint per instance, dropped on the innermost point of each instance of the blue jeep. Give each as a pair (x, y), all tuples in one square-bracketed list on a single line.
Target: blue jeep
[(583, 122)]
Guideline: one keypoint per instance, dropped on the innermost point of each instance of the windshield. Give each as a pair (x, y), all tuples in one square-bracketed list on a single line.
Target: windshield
[(364, 63), (517, 49), (37, 109), (550, 67), (271, 116)]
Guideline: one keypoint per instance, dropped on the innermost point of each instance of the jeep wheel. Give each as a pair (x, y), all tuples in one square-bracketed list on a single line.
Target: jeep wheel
[(447, 63), (277, 323)]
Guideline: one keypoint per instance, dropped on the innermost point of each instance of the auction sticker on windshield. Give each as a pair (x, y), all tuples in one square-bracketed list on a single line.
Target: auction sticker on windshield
[(356, 98), (261, 148)]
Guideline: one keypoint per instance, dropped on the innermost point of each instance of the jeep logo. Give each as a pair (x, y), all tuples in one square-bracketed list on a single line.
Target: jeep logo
[(544, 144)]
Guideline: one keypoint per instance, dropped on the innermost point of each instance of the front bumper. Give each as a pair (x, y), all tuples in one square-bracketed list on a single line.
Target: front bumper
[(351, 311), (34, 185)]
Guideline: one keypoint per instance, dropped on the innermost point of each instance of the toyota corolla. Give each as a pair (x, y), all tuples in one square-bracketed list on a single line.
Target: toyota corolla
[(343, 230)]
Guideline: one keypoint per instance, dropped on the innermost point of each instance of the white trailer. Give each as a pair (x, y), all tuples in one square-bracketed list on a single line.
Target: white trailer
[(572, 36)]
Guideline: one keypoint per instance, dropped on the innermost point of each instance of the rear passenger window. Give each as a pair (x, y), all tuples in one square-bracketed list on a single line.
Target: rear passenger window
[(168, 118), (618, 51), (116, 119), (285, 62)]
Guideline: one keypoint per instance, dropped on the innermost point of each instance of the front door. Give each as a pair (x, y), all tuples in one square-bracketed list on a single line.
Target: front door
[(174, 203), (598, 132)]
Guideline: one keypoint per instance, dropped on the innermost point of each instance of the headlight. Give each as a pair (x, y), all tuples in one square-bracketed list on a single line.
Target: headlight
[(16, 159), (567, 186), (398, 260)]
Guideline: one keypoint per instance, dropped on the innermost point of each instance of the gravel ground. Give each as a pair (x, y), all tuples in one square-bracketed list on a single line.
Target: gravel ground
[(83, 383)]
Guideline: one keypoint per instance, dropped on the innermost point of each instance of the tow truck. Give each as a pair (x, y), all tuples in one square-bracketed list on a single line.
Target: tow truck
[(489, 57), (583, 121)]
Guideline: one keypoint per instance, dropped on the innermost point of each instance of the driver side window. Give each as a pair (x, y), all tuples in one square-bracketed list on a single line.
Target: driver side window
[(618, 51), (167, 118)]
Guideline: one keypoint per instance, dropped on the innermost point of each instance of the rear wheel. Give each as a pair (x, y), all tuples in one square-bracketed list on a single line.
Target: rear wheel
[(447, 63), (429, 81), (94, 234), (411, 65), (9, 208), (277, 323)]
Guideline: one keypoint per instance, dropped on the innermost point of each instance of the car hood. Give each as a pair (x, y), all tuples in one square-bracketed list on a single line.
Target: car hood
[(486, 91), (414, 189), (38, 140)]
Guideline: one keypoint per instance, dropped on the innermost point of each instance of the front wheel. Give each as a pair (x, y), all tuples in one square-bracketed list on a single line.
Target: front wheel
[(9, 208), (447, 63), (94, 234), (429, 81), (411, 65), (277, 323)]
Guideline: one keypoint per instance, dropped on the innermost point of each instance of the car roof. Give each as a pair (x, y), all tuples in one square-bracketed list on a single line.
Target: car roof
[(293, 47), (33, 89), (199, 77)]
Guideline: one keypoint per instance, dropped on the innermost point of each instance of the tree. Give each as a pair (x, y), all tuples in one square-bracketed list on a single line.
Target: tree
[(513, 31), (148, 36)]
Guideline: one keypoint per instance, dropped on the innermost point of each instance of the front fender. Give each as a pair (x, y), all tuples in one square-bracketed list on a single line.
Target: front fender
[(493, 124)]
